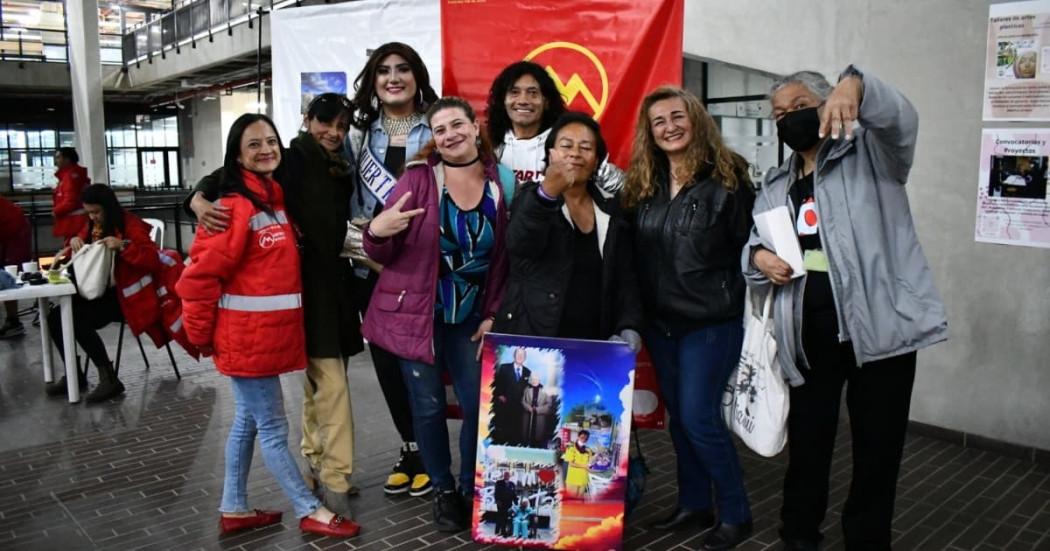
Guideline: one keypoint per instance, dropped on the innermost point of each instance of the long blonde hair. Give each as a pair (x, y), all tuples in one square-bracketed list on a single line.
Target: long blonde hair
[(705, 148)]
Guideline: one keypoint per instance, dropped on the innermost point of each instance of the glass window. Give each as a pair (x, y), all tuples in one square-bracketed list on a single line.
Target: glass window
[(171, 132), (66, 138), (32, 169), (5, 170), (218, 11), (17, 137), (123, 167), (3, 138)]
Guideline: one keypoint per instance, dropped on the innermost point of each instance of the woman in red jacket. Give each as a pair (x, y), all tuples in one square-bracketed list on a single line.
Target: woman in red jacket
[(242, 302), (66, 198), (136, 259)]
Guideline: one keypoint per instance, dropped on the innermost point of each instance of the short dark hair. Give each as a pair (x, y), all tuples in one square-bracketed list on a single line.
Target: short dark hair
[(69, 153), (499, 121), (365, 83), (575, 117), (329, 106), (112, 213), (584, 432), (232, 182)]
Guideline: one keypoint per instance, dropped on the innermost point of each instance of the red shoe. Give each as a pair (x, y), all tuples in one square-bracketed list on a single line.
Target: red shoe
[(339, 527), (259, 519)]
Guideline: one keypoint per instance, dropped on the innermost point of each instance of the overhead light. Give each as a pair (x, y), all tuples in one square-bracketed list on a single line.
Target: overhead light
[(209, 98), (50, 109)]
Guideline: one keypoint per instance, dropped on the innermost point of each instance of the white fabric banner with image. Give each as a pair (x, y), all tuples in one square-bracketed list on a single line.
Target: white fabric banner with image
[(322, 48)]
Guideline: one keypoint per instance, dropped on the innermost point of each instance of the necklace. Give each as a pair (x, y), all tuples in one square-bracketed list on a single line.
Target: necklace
[(461, 165), (399, 126)]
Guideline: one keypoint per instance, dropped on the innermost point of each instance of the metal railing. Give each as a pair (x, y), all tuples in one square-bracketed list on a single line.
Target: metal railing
[(51, 45), (195, 21), (38, 210)]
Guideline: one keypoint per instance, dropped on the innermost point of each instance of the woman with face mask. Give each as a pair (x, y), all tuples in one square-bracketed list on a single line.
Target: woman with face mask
[(692, 200), (393, 94), (866, 303), (317, 182), (440, 241)]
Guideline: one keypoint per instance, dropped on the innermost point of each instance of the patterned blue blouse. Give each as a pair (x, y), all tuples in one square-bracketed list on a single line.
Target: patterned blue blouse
[(466, 241)]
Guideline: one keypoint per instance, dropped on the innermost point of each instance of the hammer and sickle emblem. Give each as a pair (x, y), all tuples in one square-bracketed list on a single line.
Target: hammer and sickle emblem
[(575, 86)]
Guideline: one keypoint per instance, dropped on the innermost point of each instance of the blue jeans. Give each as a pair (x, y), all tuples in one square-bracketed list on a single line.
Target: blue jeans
[(259, 411), (453, 352), (693, 370)]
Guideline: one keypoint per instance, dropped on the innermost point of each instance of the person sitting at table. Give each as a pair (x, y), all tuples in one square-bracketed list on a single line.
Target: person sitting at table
[(135, 261), (15, 248)]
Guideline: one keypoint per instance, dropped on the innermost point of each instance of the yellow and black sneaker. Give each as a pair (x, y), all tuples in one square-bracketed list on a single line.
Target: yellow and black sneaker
[(420, 485), (400, 479)]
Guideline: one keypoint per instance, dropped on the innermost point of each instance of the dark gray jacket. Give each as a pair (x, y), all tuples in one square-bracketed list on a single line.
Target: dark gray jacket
[(884, 295)]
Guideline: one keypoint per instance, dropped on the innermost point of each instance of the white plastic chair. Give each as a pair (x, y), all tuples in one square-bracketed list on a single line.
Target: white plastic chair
[(156, 232)]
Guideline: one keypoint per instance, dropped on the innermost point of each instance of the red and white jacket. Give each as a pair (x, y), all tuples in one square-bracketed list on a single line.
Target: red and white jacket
[(242, 292), (170, 326), (66, 206)]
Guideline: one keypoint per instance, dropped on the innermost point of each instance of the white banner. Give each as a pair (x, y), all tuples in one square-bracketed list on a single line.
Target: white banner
[(320, 49)]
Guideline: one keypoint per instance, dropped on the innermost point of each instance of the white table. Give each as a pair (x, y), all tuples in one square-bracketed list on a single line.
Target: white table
[(64, 293)]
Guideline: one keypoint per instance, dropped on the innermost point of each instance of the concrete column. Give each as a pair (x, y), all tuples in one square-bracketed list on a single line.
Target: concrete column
[(85, 71)]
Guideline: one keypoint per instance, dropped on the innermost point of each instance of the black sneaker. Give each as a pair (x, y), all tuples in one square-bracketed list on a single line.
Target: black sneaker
[(450, 514), (400, 478)]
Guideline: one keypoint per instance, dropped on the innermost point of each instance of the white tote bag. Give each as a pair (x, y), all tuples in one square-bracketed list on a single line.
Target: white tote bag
[(93, 266), (755, 403)]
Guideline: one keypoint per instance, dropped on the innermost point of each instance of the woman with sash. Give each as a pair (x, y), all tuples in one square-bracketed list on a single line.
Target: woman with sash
[(393, 93)]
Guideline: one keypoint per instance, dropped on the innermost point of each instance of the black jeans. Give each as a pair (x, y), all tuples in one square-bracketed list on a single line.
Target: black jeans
[(387, 366), (878, 396), (88, 317)]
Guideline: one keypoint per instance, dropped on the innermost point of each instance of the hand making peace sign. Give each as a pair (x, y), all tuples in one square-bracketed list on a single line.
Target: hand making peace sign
[(392, 220)]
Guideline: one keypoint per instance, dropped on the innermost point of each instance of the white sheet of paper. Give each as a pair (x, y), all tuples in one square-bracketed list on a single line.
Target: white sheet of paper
[(775, 226)]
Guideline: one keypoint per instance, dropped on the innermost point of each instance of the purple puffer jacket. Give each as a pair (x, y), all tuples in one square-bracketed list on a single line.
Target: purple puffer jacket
[(400, 317)]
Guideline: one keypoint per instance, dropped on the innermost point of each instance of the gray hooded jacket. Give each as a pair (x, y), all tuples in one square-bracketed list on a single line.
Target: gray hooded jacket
[(884, 294)]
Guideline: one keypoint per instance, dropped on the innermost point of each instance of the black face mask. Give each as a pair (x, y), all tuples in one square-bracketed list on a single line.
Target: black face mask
[(800, 129)]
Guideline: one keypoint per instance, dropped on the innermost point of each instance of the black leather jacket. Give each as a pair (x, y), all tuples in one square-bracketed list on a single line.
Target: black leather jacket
[(539, 243), (688, 251)]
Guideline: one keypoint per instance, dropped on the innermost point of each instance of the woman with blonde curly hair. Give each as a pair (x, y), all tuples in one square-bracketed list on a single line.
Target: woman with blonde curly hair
[(692, 198)]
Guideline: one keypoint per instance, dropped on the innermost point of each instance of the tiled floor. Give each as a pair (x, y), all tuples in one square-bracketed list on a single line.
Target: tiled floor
[(145, 472)]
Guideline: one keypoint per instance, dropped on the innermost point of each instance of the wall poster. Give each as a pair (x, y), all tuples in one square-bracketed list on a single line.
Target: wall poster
[(1017, 62), (1012, 206)]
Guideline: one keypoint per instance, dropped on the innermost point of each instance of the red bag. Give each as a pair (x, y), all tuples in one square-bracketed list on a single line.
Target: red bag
[(648, 406)]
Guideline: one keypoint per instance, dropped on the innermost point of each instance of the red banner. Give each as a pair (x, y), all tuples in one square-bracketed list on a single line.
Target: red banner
[(604, 55)]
